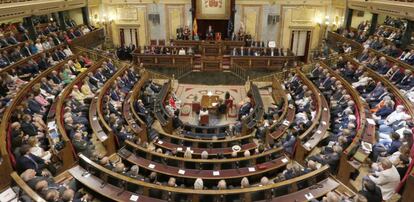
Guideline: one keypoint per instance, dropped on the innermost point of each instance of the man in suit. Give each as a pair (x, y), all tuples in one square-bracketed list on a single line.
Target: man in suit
[(55, 56), (82, 146), (11, 39), (407, 81), (371, 191), (3, 62), (330, 157), (98, 75), (383, 66), (55, 78), (245, 108), (25, 51), (387, 179), (34, 106), (3, 41), (394, 75), (62, 55), (16, 55), (42, 63), (210, 33), (29, 161)]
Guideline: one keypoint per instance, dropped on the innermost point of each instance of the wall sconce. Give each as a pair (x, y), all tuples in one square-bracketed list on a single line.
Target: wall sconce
[(327, 20), (318, 21)]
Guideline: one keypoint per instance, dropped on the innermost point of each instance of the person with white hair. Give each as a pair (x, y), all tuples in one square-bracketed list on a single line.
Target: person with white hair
[(244, 183), (204, 155), (198, 184), (188, 153), (133, 171), (387, 179), (222, 185), (392, 122)]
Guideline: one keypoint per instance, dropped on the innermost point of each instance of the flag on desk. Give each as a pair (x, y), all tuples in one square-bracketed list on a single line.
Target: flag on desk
[(195, 28)]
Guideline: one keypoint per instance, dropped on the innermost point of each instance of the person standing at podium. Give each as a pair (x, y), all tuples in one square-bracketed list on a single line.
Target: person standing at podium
[(210, 33)]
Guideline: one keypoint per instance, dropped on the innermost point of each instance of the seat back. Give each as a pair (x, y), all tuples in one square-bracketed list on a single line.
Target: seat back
[(204, 120)]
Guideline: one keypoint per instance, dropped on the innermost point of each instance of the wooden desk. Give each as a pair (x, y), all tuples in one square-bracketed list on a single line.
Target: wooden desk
[(109, 191), (217, 164), (190, 194), (236, 173), (207, 101), (328, 185)]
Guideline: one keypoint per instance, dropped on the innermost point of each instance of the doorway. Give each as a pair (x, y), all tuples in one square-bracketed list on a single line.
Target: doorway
[(129, 36), (300, 43)]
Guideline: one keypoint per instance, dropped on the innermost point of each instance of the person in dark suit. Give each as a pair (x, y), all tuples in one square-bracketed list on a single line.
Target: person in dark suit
[(30, 161), (42, 63), (329, 157), (55, 78), (407, 82), (382, 67), (16, 55), (371, 191), (384, 111), (3, 62), (25, 51), (245, 109), (11, 39), (210, 33), (98, 75), (3, 42), (394, 74)]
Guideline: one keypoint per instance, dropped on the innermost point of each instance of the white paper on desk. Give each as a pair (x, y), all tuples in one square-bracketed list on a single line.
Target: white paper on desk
[(160, 142), (307, 145), (286, 122), (134, 197), (371, 122), (179, 149), (323, 122), (181, 172), (216, 173), (309, 196), (366, 146), (214, 104), (252, 169), (151, 166), (325, 109), (318, 132), (285, 160), (95, 118)]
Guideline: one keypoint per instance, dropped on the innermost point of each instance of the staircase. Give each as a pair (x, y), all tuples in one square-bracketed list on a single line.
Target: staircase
[(226, 63), (197, 63)]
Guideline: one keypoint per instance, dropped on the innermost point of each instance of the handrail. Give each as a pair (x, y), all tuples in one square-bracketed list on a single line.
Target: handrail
[(239, 72), (29, 191)]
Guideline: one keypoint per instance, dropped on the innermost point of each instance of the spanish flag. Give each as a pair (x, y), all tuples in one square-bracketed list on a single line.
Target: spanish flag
[(195, 31)]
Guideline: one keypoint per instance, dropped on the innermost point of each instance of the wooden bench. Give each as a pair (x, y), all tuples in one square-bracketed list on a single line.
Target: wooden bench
[(253, 193), (307, 142), (212, 162)]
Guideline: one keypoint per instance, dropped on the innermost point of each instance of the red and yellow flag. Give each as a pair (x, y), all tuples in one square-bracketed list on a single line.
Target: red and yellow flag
[(195, 27)]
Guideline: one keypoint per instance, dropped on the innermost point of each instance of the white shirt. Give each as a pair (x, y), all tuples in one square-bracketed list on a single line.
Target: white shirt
[(39, 47), (387, 180), (67, 51), (396, 116)]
